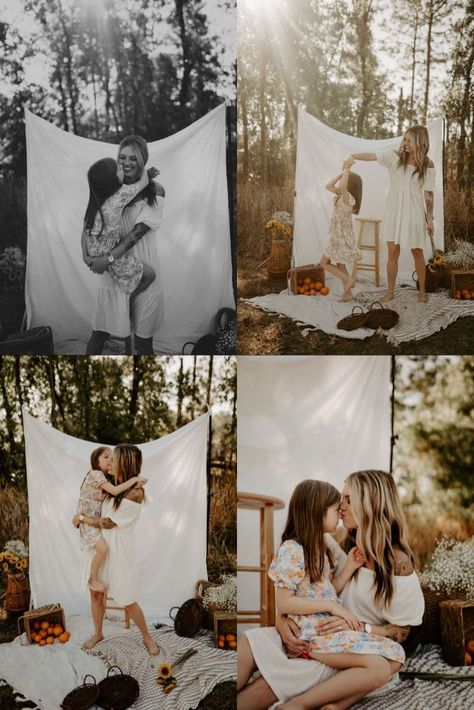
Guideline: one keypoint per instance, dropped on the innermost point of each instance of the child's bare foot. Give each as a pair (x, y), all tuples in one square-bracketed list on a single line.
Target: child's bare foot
[(423, 298), (388, 297), (347, 295), (97, 586), (90, 643), (152, 648)]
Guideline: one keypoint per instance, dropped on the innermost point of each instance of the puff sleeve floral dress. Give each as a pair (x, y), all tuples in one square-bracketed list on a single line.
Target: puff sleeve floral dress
[(404, 221), (342, 247), (288, 571), (90, 502)]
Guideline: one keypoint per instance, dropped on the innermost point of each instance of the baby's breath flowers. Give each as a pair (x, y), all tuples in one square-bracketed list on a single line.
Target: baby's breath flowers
[(12, 269), (461, 255), (165, 671), (224, 596), (451, 568)]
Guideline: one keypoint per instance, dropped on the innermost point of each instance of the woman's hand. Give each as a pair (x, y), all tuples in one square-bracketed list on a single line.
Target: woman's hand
[(87, 260), (75, 521), (99, 264), (349, 617), (289, 631), (141, 481), (348, 162), (333, 624), (153, 172), (107, 523)]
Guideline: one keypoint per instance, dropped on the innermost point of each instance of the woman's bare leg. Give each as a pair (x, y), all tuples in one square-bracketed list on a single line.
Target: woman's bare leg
[(136, 615), (97, 609), (420, 267), (256, 696), (360, 673), (96, 342), (348, 702), (343, 276), (246, 665), (392, 270)]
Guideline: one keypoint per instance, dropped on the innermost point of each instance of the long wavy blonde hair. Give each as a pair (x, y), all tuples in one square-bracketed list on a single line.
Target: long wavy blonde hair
[(381, 525), (421, 139), (308, 506)]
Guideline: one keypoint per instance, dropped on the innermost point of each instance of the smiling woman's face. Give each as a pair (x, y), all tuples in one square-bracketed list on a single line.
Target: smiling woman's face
[(345, 508), (130, 164)]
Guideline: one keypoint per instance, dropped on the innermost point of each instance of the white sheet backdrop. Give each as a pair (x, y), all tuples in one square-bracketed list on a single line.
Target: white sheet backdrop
[(305, 417), (193, 241), (319, 157), (171, 530)]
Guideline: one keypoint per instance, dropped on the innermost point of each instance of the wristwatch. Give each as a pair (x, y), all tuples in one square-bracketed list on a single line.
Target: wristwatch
[(110, 258), (367, 628)]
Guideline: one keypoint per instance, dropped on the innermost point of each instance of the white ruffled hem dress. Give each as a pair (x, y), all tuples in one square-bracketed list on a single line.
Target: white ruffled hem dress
[(289, 677), (119, 571), (404, 221)]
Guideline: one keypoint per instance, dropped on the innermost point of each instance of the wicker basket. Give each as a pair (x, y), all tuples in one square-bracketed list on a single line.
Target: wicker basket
[(118, 692), (50, 612), (462, 280), (430, 630), (82, 697), (433, 279), (279, 259), (224, 623), (189, 618), (384, 318), (296, 276), (457, 628), (354, 320), (17, 595)]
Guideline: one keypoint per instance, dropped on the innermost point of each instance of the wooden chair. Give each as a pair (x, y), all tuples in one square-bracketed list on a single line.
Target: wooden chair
[(374, 247), (118, 608), (265, 616)]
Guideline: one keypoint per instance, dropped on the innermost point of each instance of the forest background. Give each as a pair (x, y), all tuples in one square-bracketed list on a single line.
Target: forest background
[(367, 68), (104, 69)]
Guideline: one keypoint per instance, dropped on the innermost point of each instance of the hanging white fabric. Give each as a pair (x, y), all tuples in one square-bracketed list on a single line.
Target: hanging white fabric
[(319, 417), (193, 242), (170, 534), (320, 153)]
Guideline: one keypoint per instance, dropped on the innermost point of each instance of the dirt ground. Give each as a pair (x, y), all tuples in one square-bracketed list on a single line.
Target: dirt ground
[(260, 333)]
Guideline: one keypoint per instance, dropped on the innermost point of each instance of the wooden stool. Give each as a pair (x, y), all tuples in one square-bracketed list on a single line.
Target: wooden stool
[(118, 608), (369, 247), (265, 616)]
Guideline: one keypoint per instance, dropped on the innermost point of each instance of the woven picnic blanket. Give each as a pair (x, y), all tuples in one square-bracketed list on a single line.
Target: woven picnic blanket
[(196, 677), (419, 694)]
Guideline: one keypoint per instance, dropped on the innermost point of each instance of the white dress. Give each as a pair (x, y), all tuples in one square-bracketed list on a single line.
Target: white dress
[(404, 221), (289, 677), (119, 571), (112, 312)]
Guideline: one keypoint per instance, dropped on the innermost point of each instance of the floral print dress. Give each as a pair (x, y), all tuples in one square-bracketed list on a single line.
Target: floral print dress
[(342, 245), (90, 505), (288, 571), (127, 270)]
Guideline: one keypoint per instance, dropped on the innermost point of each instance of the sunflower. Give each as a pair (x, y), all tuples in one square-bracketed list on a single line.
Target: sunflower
[(439, 259), (170, 686), (165, 671), (269, 224), (19, 565), (5, 567)]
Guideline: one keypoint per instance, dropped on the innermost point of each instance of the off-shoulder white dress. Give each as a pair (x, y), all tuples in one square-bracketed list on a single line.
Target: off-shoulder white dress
[(289, 677), (404, 220)]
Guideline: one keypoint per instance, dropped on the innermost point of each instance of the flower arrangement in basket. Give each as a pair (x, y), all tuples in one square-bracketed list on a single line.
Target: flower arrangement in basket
[(449, 575), (280, 225), (14, 562), (165, 671), (222, 597), (12, 270)]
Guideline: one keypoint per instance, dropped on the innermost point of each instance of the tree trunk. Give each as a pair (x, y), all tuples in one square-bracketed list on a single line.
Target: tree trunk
[(462, 178), (263, 119), (9, 421), (245, 129), (185, 46), (136, 381), (179, 414), (209, 381), (428, 60)]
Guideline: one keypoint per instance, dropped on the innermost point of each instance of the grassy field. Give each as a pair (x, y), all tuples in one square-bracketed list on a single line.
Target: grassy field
[(264, 334)]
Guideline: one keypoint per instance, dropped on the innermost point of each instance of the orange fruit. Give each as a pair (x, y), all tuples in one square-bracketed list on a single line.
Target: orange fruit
[(230, 637), (42, 642), (307, 280), (64, 637), (58, 630), (36, 638), (457, 294), (312, 292), (43, 633), (50, 630), (465, 291), (300, 282), (36, 625), (472, 294), (50, 639), (318, 285), (324, 291), (468, 659), (221, 644), (232, 644), (470, 646), (468, 296), (44, 624)]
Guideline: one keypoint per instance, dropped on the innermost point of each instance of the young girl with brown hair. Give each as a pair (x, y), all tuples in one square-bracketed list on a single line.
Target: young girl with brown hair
[(342, 249)]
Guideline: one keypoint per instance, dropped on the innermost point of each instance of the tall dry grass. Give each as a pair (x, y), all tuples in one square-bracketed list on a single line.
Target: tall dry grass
[(426, 529), (222, 541), (13, 515)]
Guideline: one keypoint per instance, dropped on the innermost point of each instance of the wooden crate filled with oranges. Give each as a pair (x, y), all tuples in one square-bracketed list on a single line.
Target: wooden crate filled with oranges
[(45, 625), (457, 631), (307, 281), (462, 285), (225, 630)]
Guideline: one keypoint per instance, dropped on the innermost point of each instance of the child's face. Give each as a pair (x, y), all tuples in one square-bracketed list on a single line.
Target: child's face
[(105, 461), (114, 468), (130, 165), (331, 518)]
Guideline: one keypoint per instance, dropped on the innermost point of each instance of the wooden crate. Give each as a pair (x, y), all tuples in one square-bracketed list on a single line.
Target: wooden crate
[(460, 280), (457, 628), (50, 612), (314, 271), (224, 623)]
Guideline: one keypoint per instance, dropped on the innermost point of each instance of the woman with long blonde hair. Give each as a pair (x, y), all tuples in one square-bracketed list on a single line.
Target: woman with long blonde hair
[(383, 593), (409, 206)]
